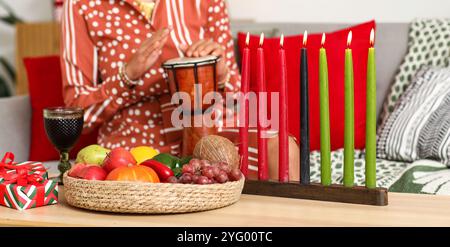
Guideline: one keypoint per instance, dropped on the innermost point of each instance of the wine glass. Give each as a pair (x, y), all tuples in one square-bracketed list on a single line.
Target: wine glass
[(63, 126)]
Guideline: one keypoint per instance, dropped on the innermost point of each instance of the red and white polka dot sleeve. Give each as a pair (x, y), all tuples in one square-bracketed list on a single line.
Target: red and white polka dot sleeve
[(81, 85), (218, 28)]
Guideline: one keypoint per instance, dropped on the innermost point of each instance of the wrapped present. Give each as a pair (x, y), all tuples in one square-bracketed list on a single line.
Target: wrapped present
[(25, 185)]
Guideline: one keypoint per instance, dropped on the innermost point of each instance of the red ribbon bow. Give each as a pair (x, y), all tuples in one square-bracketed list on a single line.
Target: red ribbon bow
[(7, 163), (22, 175)]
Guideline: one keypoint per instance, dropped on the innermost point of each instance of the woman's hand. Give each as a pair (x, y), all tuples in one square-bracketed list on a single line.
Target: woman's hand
[(206, 47), (146, 56)]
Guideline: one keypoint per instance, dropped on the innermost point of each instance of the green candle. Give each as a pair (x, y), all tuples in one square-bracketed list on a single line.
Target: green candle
[(371, 117), (349, 127), (325, 156)]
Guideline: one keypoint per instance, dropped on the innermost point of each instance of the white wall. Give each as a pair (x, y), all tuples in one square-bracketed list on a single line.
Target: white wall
[(339, 11)]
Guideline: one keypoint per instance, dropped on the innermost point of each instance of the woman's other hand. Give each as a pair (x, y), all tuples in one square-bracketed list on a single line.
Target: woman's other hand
[(146, 56), (207, 47)]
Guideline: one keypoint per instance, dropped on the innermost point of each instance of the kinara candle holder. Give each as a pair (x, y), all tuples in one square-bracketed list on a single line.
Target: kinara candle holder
[(326, 191), (315, 191)]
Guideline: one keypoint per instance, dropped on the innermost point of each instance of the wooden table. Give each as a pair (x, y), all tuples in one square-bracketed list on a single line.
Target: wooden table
[(404, 210)]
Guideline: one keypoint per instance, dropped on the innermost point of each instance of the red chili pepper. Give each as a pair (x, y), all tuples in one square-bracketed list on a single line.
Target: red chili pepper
[(164, 172)]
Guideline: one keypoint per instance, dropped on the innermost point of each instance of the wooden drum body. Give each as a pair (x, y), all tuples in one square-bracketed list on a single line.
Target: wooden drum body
[(182, 76), (184, 73), (192, 135)]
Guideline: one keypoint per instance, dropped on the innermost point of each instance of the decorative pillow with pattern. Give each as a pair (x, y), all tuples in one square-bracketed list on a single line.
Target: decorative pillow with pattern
[(429, 45), (419, 126)]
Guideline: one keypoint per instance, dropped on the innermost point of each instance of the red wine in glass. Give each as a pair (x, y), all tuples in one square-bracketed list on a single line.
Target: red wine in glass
[(63, 127)]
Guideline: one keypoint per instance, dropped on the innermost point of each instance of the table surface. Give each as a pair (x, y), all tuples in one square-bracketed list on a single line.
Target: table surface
[(403, 210)]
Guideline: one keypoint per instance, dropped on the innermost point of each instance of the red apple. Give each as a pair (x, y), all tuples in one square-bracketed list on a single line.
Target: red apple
[(118, 157), (76, 170), (93, 172)]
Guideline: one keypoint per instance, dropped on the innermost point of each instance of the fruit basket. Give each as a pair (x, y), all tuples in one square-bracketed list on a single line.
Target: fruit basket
[(149, 198)]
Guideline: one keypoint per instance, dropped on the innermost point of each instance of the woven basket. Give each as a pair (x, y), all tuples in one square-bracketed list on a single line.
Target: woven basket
[(149, 198)]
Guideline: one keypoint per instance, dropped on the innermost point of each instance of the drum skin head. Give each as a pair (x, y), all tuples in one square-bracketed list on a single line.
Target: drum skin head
[(183, 62)]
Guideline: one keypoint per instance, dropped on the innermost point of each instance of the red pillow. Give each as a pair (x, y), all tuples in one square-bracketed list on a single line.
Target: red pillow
[(45, 89), (336, 43)]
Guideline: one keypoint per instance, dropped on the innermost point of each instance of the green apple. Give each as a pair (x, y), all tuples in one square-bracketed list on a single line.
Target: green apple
[(93, 154)]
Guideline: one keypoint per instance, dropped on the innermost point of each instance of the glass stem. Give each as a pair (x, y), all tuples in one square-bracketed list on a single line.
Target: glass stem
[(64, 164)]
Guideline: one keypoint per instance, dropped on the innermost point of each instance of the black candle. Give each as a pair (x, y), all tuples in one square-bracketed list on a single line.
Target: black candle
[(304, 115)]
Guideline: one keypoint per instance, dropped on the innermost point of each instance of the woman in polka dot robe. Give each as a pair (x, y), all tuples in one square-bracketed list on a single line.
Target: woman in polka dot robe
[(102, 38)]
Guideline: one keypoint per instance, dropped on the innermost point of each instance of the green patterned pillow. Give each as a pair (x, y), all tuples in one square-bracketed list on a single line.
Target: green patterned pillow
[(429, 45)]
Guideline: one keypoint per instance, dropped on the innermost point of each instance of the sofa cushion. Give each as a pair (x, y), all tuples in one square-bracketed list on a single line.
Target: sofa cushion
[(45, 87), (15, 118), (419, 126), (335, 44), (428, 45), (392, 43)]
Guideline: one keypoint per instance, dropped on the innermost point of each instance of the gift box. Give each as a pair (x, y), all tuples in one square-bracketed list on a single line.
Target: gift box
[(25, 185)]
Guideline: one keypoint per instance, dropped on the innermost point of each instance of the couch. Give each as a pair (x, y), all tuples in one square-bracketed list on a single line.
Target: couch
[(391, 45)]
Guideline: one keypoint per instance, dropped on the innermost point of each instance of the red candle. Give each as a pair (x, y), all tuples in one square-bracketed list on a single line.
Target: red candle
[(245, 87), (263, 173), (283, 153)]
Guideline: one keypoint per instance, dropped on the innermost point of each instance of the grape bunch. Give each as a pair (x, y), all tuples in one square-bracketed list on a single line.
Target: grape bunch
[(205, 172)]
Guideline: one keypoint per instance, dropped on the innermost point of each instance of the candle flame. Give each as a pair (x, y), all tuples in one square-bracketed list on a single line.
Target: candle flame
[(282, 41), (305, 38), (372, 37), (323, 39), (261, 39), (247, 39), (349, 38)]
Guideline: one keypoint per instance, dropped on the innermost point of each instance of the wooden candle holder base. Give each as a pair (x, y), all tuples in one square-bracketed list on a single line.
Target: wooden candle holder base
[(332, 193)]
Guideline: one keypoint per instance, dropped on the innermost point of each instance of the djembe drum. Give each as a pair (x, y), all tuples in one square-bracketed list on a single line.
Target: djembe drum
[(196, 77)]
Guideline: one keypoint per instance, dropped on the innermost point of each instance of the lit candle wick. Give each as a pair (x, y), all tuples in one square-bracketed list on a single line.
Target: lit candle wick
[(261, 39), (372, 37), (323, 39), (305, 38), (282, 41), (247, 39), (349, 38)]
